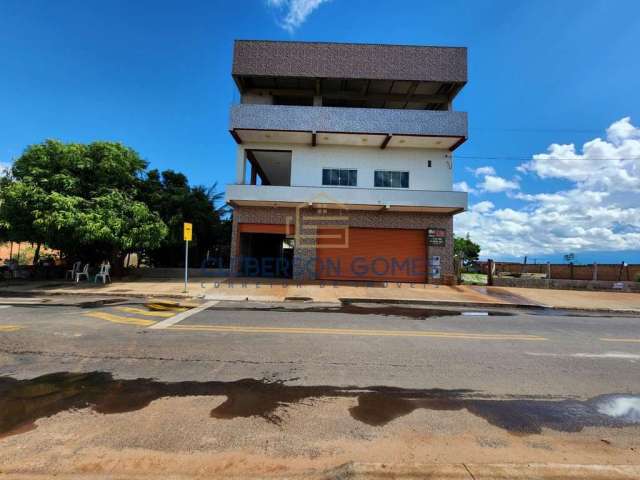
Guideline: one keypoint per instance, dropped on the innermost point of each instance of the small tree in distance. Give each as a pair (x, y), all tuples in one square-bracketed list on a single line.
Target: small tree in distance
[(464, 247)]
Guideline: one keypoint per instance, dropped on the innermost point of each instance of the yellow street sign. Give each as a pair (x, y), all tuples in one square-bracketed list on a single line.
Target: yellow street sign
[(188, 231)]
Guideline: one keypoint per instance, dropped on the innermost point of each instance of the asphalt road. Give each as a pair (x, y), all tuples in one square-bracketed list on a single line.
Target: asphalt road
[(515, 352), (317, 382)]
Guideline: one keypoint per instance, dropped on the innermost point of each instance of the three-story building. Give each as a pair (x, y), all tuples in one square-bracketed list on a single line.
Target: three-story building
[(344, 160)]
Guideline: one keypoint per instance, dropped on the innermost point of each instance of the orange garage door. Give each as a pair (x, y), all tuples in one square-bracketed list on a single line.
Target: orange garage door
[(378, 254)]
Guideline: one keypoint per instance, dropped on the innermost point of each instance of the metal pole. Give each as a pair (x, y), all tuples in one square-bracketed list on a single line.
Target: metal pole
[(186, 264)]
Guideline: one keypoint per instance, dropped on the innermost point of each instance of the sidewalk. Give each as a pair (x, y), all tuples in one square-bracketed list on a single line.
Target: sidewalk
[(279, 290)]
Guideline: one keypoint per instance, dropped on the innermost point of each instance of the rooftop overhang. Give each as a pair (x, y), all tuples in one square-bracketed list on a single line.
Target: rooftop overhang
[(257, 58), (360, 75), (379, 128)]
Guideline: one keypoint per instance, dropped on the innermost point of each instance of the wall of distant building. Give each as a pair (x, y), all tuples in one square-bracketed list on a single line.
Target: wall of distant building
[(26, 251)]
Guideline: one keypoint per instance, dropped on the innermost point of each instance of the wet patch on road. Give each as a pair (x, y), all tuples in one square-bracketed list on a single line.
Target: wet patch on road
[(22, 402), (103, 302), (383, 310), (516, 416)]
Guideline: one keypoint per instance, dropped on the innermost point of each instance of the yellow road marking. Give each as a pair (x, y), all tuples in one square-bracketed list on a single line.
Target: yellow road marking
[(118, 319), (631, 340), (347, 331), (161, 307), (9, 328), (140, 311)]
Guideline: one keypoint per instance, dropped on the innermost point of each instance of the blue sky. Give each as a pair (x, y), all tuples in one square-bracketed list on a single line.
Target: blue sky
[(156, 76)]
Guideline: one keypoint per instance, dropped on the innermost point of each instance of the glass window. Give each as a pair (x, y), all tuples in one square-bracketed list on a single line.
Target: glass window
[(326, 176), (340, 176), (404, 180), (391, 179), (353, 178), (378, 178)]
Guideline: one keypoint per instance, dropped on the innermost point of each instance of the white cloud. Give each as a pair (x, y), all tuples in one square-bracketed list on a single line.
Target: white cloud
[(494, 184), (491, 182), (621, 130), (294, 12), (483, 207), (463, 187), (483, 171), (600, 212), (611, 165), (4, 169)]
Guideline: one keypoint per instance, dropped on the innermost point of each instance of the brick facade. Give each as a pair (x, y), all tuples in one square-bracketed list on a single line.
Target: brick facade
[(303, 255)]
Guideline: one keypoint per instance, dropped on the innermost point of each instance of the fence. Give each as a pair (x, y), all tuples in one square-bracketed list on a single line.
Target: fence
[(562, 271)]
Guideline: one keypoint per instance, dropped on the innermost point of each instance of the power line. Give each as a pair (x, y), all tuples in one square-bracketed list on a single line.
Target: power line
[(537, 130), (530, 157)]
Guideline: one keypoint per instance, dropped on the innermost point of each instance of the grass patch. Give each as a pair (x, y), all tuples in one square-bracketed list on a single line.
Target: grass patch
[(474, 278)]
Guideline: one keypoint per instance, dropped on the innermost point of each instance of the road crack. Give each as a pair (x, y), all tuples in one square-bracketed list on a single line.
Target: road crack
[(196, 360)]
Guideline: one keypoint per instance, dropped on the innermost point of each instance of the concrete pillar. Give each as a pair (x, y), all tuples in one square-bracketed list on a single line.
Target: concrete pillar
[(240, 166), (595, 271), (548, 271), (234, 257), (304, 254), (490, 271)]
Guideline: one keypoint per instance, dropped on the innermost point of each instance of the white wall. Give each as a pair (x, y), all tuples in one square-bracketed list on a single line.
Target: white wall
[(307, 163)]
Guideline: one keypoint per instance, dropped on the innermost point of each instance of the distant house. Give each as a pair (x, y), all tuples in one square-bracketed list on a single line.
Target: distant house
[(344, 160)]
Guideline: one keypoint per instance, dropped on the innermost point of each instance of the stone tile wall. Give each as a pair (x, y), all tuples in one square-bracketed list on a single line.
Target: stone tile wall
[(304, 255)]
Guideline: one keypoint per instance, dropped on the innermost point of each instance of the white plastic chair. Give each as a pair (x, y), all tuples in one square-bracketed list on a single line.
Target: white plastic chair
[(71, 274), (103, 273), (83, 273)]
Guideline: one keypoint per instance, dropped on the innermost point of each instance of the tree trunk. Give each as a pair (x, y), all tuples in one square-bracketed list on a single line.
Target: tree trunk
[(36, 254), (118, 266)]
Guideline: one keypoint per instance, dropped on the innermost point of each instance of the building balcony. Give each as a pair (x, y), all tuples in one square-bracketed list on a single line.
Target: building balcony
[(373, 127), (390, 199)]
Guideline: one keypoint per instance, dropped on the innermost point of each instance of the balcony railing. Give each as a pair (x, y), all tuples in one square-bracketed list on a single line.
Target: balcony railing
[(349, 120), (383, 197)]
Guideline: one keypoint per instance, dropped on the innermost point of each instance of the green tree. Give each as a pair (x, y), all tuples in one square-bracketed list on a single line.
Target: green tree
[(467, 249), (80, 199), (19, 207), (170, 194)]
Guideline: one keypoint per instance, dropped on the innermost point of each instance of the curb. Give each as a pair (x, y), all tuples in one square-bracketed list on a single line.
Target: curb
[(467, 471), (96, 293), (444, 303), (344, 300), (356, 470), (524, 306)]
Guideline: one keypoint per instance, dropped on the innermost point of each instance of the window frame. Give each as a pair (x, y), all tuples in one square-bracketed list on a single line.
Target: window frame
[(401, 172), (333, 170)]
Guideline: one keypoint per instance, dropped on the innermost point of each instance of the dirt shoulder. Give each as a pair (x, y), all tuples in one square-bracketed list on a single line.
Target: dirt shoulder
[(311, 438)]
